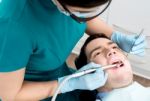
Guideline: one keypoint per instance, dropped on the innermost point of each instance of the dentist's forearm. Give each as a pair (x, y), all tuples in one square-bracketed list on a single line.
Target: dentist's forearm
[(97, 25), (35, 91)]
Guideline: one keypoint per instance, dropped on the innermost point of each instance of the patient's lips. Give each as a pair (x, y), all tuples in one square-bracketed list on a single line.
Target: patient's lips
[(118, 63)]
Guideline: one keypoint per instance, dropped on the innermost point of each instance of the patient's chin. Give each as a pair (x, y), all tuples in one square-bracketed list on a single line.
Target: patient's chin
[(115, 84), (123, 83)]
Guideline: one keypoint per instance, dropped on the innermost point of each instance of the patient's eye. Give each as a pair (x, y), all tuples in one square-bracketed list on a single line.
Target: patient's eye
[(97, 53), (114, 47)]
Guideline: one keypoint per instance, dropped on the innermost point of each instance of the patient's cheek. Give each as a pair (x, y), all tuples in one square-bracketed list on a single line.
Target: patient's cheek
[(101, 61), (119, 79)]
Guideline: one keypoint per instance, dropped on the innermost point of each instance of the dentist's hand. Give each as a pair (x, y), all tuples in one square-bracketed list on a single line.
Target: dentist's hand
[(133, 44), (86, 82)]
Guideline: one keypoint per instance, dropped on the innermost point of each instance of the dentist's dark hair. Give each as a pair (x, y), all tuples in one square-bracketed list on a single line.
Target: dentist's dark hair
[(84, 3), (81, 60)]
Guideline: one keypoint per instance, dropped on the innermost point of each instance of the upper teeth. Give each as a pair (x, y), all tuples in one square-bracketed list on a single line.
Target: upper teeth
[(117, 62)]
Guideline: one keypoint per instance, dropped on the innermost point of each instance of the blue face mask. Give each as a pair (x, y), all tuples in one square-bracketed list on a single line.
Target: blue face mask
[(93, 12), (60, 8)]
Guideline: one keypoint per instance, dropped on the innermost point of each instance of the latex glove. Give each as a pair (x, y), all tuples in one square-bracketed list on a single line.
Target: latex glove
[(86, 82), (125, 42)]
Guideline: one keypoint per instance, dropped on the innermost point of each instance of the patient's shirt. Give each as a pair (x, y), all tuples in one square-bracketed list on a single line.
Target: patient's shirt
[(134, 92)]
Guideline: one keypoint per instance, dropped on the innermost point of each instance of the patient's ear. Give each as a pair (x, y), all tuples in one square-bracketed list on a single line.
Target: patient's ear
[(81, 60)]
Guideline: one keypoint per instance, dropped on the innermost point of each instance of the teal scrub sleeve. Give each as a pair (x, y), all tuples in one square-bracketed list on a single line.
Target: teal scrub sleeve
[(15, 46)]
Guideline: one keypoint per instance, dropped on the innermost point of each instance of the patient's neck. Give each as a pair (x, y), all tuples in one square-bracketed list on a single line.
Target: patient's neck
[(104, 89), (107, 88)]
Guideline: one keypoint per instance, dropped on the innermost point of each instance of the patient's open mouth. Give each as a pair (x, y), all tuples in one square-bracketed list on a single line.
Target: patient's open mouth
[(118, 63)]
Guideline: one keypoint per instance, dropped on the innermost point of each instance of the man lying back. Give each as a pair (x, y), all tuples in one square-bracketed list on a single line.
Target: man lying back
[(120, 85)]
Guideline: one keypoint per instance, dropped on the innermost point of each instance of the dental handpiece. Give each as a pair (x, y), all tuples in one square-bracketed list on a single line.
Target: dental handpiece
[(92, 70)]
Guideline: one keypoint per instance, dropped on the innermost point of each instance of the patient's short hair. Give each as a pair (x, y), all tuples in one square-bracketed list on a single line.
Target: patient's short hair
[(81, 60)]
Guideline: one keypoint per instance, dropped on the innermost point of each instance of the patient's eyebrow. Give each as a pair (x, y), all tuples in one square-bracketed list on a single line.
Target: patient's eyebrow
[(110, 43), (99, 47)]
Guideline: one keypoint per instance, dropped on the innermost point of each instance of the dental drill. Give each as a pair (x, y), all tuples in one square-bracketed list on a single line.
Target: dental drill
[(78, 74)]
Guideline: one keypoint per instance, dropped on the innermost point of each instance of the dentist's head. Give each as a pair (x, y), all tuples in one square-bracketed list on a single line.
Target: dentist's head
[(82, 10), (101, 50)]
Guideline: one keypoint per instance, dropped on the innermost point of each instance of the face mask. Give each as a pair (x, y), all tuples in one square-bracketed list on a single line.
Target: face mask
[(60, 8), (88, 14), (92, 13)]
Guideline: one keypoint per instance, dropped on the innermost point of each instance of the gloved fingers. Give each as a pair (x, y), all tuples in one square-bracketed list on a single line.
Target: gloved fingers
[(94, 64), (99, 70), (140, 39), (131, 37), (98, 78), (139, 46), (105, 79), (139, 52), (139, 49), (102, 77), (60, 80), (89, 66), (99, 73), (94, 80)]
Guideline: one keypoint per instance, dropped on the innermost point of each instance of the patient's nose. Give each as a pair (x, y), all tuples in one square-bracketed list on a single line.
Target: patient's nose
[(111, 53)]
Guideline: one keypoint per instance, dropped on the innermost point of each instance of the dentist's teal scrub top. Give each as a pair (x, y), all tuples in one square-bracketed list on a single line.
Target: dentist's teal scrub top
[(35, 35)]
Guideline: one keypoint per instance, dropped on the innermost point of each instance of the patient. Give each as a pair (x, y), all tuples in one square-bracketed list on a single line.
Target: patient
[(120, 85)]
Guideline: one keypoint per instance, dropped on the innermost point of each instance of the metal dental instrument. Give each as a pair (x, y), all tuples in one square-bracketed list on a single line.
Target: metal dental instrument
[(78, 74), (108, 66), (135, 41)]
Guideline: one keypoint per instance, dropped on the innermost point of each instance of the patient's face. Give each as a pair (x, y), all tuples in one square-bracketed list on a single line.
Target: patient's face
[(104, 52)]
